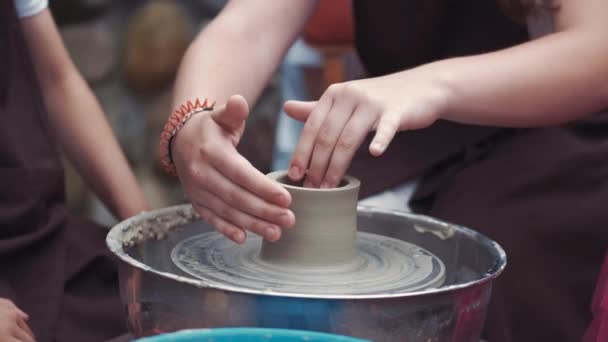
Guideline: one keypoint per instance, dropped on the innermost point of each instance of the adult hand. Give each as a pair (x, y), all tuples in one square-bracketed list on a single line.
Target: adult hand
[(338, 123), (223, 187), (13, 323)]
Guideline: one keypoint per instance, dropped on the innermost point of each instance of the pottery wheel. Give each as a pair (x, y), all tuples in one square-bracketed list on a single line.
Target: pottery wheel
[(384, 265)]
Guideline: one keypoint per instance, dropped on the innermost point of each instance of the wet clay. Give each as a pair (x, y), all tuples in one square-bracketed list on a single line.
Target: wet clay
[(325, 231), (382, 265), (322, 254)]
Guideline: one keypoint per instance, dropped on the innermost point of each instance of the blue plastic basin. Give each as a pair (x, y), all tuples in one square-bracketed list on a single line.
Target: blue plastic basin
[(248, 335)]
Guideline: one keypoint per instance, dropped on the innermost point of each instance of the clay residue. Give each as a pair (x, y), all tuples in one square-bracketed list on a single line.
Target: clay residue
[(156, 226), (441, 232)]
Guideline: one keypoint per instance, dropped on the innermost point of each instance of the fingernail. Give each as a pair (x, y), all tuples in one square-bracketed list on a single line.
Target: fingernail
[(237, 237), (270, 233), (294, 172), (308, 184), (325, 185), (282, 199), (286, 219), (378, 147)]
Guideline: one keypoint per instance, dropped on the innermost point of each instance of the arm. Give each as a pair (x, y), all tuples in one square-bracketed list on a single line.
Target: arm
[(547, 81), (236, 54), (240, 49), (77, 120), (551, 80)]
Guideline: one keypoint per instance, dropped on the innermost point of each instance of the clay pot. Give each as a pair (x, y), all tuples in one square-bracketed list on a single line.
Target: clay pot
[(324, 235)]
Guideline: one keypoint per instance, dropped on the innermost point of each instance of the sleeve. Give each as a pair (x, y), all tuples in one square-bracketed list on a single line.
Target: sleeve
[(28, 8)]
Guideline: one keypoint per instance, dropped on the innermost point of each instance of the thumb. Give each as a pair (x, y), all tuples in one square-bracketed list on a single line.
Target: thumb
[(232, 115), (299, 110)]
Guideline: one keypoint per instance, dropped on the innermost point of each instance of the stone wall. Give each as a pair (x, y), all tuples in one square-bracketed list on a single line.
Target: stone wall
[(129, 51)]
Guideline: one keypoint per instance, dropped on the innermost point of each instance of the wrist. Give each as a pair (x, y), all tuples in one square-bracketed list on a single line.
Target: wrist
[(176, 121), (443, 85), (181, 137)]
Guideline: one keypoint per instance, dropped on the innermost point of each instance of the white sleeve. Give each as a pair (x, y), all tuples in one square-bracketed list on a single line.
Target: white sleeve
[(28, 8)]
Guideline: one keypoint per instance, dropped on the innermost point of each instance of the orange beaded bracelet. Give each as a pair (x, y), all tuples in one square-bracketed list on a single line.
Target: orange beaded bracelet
[(176, 121)]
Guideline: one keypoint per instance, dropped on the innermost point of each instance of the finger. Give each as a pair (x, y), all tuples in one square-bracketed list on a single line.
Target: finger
[(23, 325), (10, 304), (239, 170), (388, 125), (23, 314), (234, 197), (232, 115), (328, 135), (227, 229), (301, 155), (299, 110), (22, 336), (350, 139), (238, 218)]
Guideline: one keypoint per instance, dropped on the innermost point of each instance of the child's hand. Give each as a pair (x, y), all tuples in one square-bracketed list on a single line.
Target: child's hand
[(338, 123), (13, 326)]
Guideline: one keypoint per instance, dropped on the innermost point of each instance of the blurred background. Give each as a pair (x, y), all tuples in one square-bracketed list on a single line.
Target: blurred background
[(129, 52)]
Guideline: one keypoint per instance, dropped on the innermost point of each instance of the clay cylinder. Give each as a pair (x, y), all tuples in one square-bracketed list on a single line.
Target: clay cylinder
[(324, 235)]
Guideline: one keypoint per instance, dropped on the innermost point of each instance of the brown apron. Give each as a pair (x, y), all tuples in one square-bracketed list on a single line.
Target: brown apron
[(52, 265), (540, 193)]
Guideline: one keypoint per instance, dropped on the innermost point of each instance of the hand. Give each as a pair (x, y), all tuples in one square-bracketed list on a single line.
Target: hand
[(223, 187), (338, 123), (13, 326)]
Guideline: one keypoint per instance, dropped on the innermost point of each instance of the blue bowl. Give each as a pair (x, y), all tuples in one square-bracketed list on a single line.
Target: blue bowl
[(248, 335)]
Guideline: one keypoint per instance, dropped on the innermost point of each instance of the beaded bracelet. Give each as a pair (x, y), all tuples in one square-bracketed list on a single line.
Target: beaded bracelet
[(176, 121)]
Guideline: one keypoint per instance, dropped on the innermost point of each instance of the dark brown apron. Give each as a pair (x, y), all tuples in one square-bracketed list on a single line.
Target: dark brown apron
[(540, 193), (400, 34), (52, 265)]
